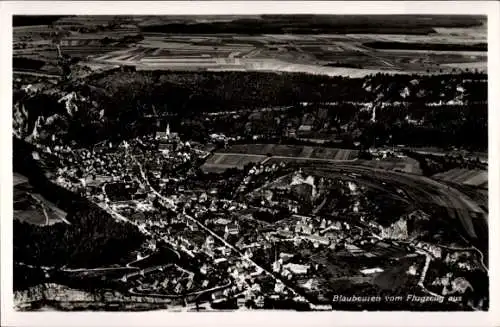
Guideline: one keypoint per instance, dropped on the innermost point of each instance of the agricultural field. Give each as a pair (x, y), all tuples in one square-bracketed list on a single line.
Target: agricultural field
[(347, 57), (294, 151), (322, 54), (334, 154), (219, 162), (76, 42), (406, 165), (237, 156), (472, 177), (131, 41)]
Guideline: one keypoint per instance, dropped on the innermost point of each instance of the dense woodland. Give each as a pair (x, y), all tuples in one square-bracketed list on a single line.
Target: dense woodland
[(93, 239), (126, 99)]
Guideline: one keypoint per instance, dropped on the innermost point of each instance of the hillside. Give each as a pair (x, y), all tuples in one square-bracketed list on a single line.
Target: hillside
[(115, 104)]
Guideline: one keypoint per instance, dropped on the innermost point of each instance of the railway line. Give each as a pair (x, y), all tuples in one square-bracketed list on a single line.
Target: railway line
[(420, 189)]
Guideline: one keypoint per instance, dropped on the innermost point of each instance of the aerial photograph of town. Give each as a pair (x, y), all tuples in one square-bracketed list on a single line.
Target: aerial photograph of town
[(250, 162)]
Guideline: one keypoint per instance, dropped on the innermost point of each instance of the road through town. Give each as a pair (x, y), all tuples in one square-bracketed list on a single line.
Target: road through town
[(215, 235), (419, 188)]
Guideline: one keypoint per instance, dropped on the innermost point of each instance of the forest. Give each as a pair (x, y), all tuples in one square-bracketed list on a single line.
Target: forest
[(93, 239), (127, 98)]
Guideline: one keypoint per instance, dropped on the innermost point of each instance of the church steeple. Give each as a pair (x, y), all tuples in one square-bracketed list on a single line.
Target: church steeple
[(168, 130)]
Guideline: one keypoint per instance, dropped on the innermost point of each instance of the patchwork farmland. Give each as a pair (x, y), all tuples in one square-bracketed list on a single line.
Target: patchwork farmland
[(237, 156), (128, 41), (472, 177), (294, 151), (320, 54), (37, 46)]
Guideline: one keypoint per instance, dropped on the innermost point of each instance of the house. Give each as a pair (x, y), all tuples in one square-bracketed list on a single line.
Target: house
[(285, 233), (166, 148), (240, 301), (297, 269), (290, 132), (194, 227), (179, 288), (218, 296), (310, 284), (370, 271), (303, 228), (335, 225), (224, 250), (286, 256), (222, 221), (277, 265), (305, 128), (397, 230), (279, 287), (316, 239), (219, 260), (205, 269), (161, 136), (248, 253), (232, 229), (209, 241), (259, 302)]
